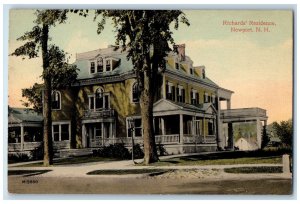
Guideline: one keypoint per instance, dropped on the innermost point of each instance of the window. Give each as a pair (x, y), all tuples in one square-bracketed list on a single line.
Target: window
[(191, 71), (55, 100), (170, 91), (213, 99), (135, 93), (65, 132), (210, 128), (99, 100), (194, 97), (180, 94), (108, 65), (137, 128), (100, 65), (61, 131), (92, 69), (55, 132), (177, 65), (206, 98)]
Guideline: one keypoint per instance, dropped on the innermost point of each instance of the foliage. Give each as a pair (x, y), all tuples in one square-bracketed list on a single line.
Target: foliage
[(161, 150), (138, 152), (118, 151), (18, 157), (284, 130), (34, 97), (265, 138), (38, 152), (253, 170)]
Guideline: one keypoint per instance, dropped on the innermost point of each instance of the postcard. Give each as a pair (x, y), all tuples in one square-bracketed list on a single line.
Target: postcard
[(150, 102)]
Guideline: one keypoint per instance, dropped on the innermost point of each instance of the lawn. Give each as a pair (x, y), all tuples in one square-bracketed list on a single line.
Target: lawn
[(128, 171), (223, 159), (73, 161), (254, 170)]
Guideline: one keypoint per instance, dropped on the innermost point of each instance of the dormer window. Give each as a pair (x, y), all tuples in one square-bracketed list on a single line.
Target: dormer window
[(191, 71), (100, 65), (108, 65), (92, 69)]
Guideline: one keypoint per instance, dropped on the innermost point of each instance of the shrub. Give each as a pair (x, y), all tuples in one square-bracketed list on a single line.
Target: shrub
[(18, 157), (38, 152), (138, 152), (161, 150), (118, 151)]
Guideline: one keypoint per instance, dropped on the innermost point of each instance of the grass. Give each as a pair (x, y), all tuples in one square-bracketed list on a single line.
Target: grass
[(253, 170), (128, 171), (72, 161), (26, 172), (223, 159)]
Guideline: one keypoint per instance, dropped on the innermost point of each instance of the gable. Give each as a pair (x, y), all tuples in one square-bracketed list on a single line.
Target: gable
[(164, 105)]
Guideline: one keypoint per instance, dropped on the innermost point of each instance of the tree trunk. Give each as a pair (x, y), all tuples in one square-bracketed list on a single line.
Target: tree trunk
[(48, 149), (147, 96)]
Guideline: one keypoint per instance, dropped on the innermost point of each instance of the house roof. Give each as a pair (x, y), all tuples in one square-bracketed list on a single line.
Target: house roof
[(125, 65), (19, 115)]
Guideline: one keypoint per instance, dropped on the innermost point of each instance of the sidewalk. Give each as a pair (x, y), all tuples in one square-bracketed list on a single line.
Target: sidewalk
[(83, 169)]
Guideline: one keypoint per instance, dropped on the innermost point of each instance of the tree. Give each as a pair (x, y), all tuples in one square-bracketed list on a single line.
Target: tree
[(34, 97), (284, 131), (61, 74), (145, 35), (37, 40)]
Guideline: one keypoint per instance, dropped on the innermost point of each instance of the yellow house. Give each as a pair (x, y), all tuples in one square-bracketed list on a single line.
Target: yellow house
[(96, 111)]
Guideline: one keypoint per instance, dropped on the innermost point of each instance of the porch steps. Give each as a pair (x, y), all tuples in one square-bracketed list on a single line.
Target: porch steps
[(64, 153)]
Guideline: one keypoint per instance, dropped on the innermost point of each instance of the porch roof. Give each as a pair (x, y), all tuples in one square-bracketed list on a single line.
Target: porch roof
[(20, 115), (164, 105)]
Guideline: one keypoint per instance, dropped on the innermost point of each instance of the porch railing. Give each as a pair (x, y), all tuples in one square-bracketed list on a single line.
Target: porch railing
[(167, 139), (199, 139), (27, 146), (102, 113)]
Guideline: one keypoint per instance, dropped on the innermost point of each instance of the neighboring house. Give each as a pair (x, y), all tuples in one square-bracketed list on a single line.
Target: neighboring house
[(97, 110), (25, 129), (246, 144)]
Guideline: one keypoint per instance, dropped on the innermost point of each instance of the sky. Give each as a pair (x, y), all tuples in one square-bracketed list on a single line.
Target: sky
[(257, 66)]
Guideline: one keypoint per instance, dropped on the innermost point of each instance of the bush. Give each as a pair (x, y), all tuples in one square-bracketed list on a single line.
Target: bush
[(138, 152), (38, 152), (118, 151), (161, 150), (18, 157)]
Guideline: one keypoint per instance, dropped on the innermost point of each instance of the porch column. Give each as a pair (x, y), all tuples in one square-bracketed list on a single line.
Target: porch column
[(215, 126), (228, 104), (181, 128), (102, 132), (83, 136), (162, 122), (230, 136), (22, 137), (220, 138), (111, 135), (203, 128), (258, 133)]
